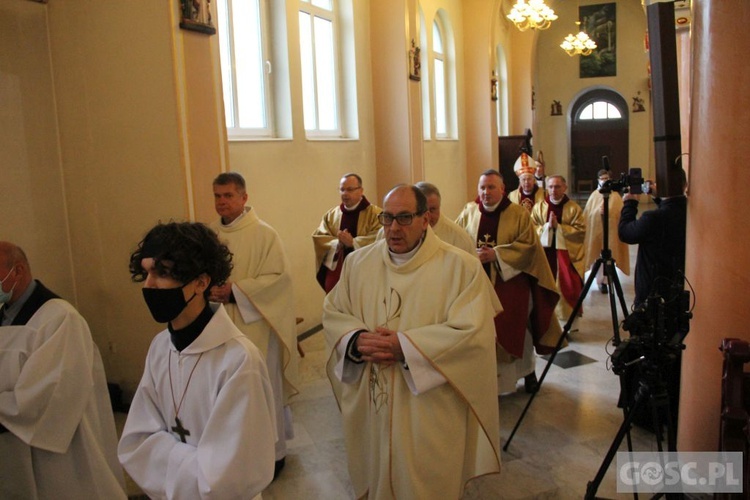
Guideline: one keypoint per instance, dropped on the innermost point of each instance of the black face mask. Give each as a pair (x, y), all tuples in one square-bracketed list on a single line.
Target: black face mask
[(165, 304)]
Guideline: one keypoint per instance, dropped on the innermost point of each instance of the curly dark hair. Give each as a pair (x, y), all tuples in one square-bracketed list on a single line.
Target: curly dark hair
[(183, 251)]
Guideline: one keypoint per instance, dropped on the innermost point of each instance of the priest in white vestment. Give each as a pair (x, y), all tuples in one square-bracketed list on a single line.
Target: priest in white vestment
[(442, 226), (202, 423), (57, 430), (258, 295), (413, 360)]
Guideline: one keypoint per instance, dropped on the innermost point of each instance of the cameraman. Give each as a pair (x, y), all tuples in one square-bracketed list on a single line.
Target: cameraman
[(660, 236)]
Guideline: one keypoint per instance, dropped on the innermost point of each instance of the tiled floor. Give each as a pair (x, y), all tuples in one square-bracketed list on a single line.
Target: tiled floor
[(557, 450)]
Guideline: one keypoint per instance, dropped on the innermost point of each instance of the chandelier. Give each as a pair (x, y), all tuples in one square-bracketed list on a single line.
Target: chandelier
[(532, 14), (579, 44)]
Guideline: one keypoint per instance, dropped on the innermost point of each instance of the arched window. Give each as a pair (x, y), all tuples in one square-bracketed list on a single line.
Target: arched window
[(441, 118), (444, 78), (501, 73), (599, 110), (425, 82)]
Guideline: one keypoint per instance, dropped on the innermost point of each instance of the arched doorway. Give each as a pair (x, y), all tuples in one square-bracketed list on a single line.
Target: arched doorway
[(599, 127)]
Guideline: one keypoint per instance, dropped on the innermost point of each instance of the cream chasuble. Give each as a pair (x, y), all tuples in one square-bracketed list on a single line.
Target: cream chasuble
[(325, 239), (261, 272), (54, 402), (452, 233), (517, 246), (570, 231), (515, 197), (429, 444), (592, 243), (226, 407)]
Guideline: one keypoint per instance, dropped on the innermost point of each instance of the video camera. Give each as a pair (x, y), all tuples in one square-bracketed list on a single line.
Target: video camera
[(631, 182), (657, 329)]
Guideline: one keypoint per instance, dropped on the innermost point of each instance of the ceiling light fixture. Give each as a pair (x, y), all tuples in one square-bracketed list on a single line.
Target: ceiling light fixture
[(579, 44), (534, 14)]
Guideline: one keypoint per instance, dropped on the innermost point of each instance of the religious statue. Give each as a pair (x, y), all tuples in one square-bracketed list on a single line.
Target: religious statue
[(415, 63), (638, 104)]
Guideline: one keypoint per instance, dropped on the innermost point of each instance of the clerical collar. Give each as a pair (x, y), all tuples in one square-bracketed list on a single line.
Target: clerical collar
[(403, 258), (244, 212), (556, 202), (10, 312), (492, 207), (185, 336), (352, 209)]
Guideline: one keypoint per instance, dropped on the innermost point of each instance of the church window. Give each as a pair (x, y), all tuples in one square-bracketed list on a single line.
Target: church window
[(324, 82), (600, 110), (441, 121), (246, 68), (443, 75), (425, 81)]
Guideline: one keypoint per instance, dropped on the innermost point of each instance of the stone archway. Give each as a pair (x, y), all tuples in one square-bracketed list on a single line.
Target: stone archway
[(590, 140)]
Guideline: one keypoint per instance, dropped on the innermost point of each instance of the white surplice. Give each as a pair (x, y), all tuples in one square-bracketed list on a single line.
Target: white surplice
[(227, 408), (54, 402)]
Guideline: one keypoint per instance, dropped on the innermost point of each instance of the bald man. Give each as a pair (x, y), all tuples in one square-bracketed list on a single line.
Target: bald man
[(510, 253)]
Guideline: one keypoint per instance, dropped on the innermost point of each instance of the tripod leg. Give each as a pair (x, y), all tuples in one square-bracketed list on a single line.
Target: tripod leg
[(558, 346), (609, 271), (660, 401), (593, 486), (618, 288)]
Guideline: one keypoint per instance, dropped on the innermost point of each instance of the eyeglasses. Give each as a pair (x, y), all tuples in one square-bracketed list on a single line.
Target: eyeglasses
[(402, 219)]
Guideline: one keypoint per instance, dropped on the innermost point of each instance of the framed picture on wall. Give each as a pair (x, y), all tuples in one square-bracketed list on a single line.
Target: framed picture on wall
[(600, 24), (196, 16)]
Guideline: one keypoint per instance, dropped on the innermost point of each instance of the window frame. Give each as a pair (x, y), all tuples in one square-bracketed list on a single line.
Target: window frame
[(332, 16), (592, 105), (439, 58), (236, 132)]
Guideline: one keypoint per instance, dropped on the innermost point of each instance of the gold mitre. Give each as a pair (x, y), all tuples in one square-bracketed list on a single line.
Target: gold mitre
[(524, 165)]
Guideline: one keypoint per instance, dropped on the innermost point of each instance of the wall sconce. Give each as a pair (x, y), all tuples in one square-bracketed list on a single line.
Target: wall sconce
[(556, 109), (493, 87)]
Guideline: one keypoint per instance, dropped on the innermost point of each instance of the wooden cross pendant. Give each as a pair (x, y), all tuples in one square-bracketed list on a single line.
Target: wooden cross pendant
[(179, 429)]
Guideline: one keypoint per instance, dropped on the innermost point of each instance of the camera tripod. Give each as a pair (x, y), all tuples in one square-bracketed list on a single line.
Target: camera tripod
[(613, 288), (651, 389)]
